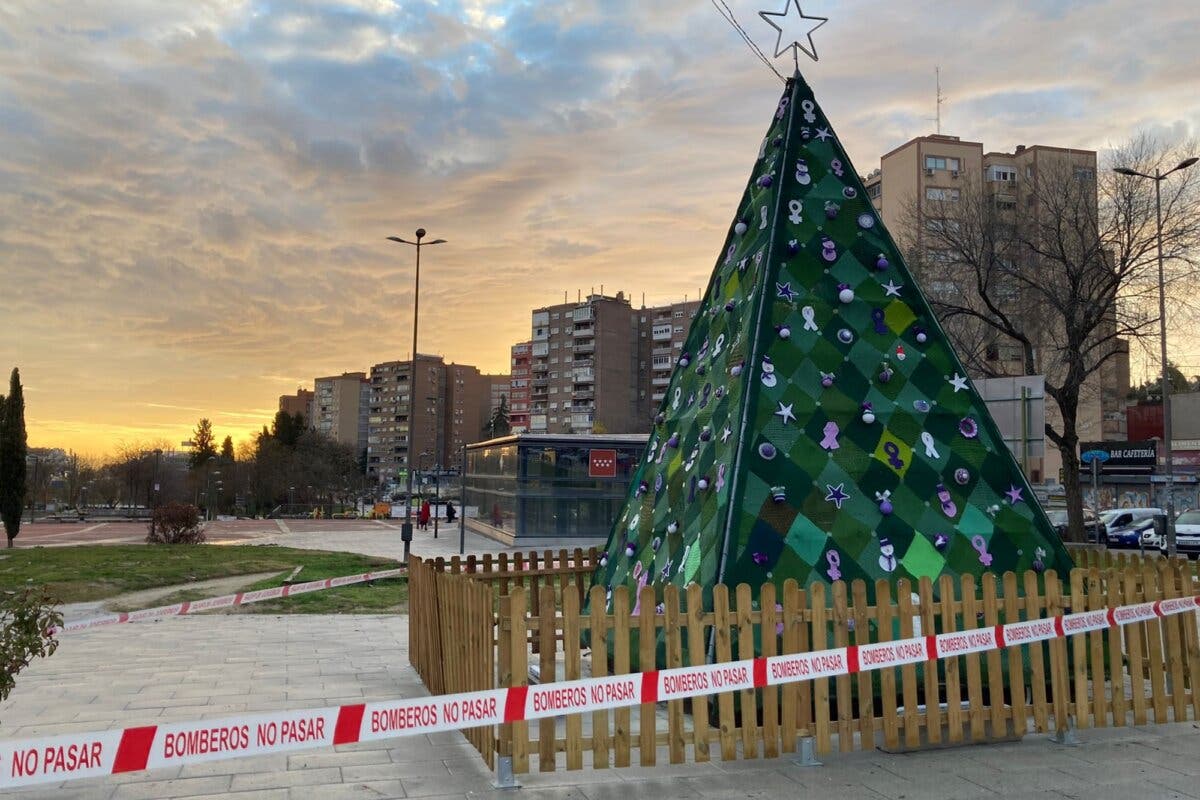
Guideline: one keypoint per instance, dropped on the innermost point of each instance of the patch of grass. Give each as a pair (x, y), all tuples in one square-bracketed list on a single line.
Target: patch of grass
[(387, 596), (96, 572)]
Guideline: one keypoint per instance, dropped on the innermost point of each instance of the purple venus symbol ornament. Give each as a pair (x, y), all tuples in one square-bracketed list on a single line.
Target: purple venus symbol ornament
[(877, 319), (834, 561), (980, 546)]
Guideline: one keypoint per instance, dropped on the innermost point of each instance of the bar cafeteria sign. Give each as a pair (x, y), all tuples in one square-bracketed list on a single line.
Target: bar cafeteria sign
[(1121, 456)]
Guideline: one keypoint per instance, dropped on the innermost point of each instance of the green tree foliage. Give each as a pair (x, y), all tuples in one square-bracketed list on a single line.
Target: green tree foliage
[(498, 425), (227, 450), (27, 621), (1151, 390), (13, 450), (204, 444), (287, 429)]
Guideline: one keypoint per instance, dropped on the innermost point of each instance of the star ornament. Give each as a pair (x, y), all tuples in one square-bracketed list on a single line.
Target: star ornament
[(793, 29), (837, 495), (785, 291), (786, 412), (958, 382), (1014, 494)]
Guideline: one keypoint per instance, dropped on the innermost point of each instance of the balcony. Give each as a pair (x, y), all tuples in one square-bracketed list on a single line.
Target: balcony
[(587, 330), (661, 333), (585, 375), (661, 351), (541, 349), (658, 396), (585, 347), (582, 314), (583, 394), (661, 380)]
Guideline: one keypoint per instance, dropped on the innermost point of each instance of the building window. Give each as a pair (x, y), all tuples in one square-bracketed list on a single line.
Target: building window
[(1085, 174), (875, 191), (678, 314), (941, 162), (554, 315), (1008, 174), (554, 331), (941, 195), (1006, 203), (679, 329)]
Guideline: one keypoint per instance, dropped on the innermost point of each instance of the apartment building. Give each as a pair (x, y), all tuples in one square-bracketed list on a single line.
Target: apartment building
[(584, 367), (339, 408), (430, 414), (518, 386), (915, 189), (299, 403), (663, 330)]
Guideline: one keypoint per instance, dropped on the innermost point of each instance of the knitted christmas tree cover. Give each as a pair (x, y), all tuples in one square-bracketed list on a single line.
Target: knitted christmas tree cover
[(818, 425)]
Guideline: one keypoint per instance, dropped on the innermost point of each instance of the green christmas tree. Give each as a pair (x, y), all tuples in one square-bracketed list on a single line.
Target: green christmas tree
[(818, 425)]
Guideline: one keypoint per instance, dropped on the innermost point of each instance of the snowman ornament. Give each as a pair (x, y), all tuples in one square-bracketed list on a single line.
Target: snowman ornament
[(768, 373), (887, 555), (802, 175)]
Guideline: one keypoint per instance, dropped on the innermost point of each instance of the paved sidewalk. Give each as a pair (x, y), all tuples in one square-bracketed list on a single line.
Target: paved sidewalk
[(214, 666)]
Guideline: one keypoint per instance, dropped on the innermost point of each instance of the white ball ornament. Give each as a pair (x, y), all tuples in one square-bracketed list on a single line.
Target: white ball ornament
[(740, 228), (845, 293)]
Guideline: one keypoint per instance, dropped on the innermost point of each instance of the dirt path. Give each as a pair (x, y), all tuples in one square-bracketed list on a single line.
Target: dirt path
[(140, 599)]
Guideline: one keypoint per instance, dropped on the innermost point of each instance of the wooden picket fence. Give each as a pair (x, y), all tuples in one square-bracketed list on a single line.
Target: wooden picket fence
[(1140, 673)]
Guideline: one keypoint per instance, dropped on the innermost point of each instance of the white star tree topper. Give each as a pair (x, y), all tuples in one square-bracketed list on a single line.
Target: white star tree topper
[(793, 30)]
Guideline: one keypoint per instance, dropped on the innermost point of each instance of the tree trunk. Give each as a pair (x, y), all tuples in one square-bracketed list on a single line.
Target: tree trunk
[(1070, 458)]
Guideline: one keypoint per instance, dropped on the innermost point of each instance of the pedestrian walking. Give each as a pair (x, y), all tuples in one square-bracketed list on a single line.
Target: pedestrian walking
[(423, 516), (450, 512)]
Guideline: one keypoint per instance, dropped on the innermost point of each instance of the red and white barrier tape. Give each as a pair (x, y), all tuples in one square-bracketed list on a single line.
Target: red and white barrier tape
[(226, 601), (84, 755)]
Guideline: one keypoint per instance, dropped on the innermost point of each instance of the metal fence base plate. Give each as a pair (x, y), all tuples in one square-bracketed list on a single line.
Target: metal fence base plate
[(505, 779)]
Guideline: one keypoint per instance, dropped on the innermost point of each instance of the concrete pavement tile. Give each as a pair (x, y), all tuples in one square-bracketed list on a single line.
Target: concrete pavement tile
[(181, 787), (280, 779), (346, 758), (371, 790), (762, 784), (1114, 771), (236, 766), (553, 793), (390, 770), (83, 790), (449, 785), (258, 794), (1187, 785), (624, 790)]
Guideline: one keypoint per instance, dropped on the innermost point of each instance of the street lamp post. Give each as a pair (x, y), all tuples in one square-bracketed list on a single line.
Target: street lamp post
[(1169, 467), (406, 528), (154, 499)]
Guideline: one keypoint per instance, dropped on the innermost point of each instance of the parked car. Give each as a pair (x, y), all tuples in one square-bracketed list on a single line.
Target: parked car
[(1187, 534), (1094, 530), (1126, 526)]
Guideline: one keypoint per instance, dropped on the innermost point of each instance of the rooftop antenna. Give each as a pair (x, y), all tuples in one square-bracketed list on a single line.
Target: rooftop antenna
[(941, 98)]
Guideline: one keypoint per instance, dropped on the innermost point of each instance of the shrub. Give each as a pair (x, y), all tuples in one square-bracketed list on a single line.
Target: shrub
[(27, 622), (175, 523)]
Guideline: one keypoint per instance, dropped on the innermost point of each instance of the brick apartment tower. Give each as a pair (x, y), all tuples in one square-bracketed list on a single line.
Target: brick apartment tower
[(585, 367), (518, 387), (451, 403)]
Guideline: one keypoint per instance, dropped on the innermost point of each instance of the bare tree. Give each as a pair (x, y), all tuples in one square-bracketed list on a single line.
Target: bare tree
[(1055, 276)]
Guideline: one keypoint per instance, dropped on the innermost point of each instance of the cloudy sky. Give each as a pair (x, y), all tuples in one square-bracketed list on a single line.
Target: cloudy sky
[(194, 194)]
